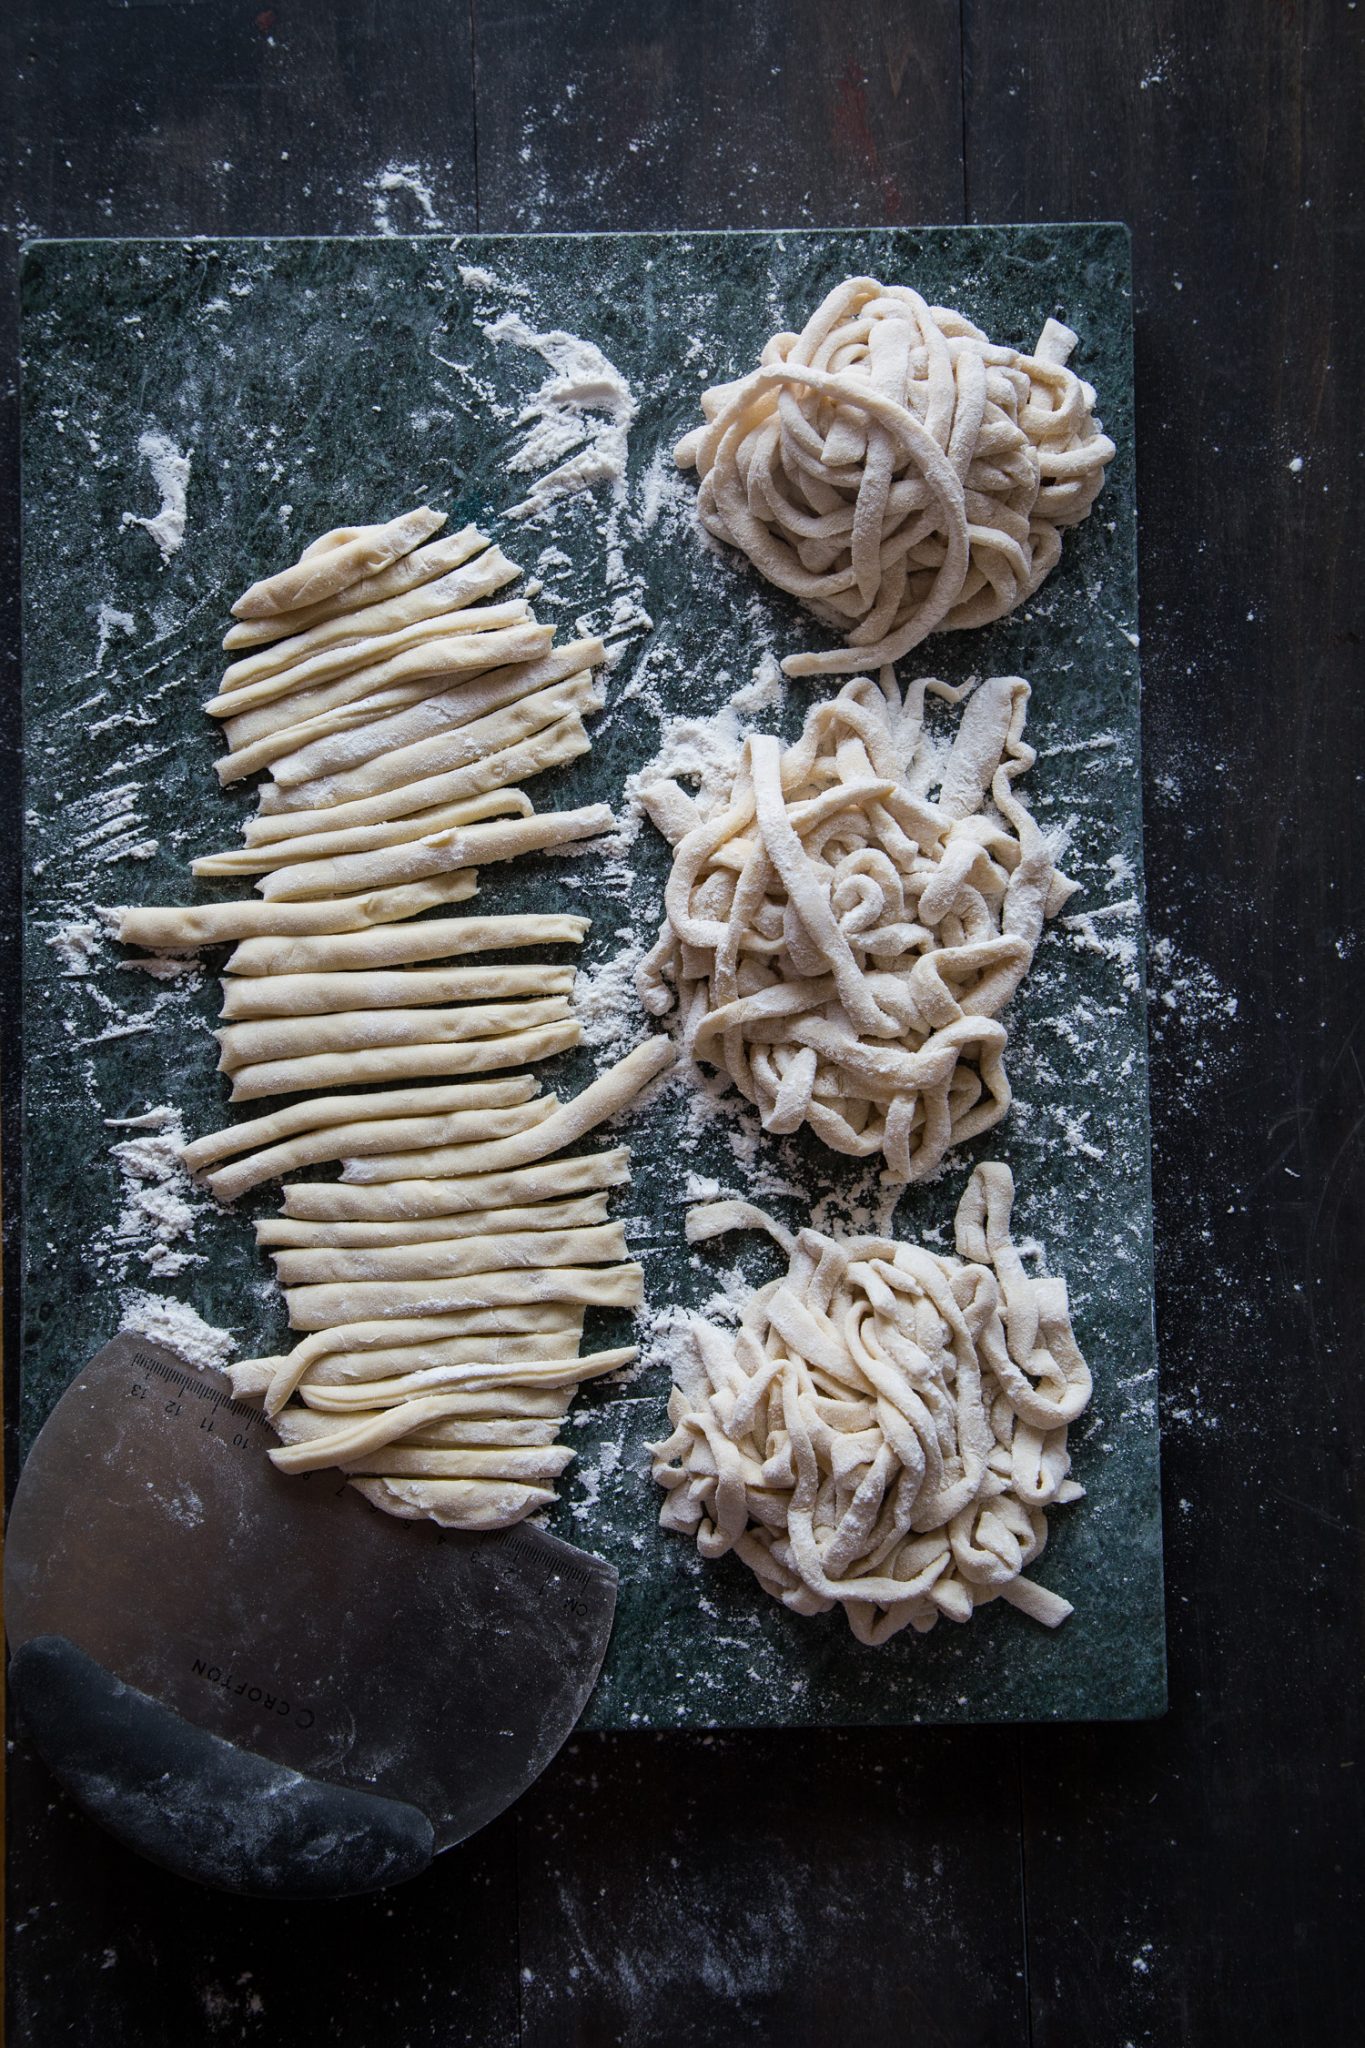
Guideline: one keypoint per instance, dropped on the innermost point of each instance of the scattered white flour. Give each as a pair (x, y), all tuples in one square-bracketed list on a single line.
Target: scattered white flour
[(699, 751), (605, 999), (171, 475), (475, 278), (1120, 948), (106, 825), (667, 499), (582, 412), (163, 966), (668, 1350), (592, 1478), (394, 178), (159, 1199), (176, 1325), (106, 619), (76, 945)]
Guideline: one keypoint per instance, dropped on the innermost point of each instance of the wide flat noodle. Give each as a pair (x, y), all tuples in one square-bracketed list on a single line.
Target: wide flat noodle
[(548, 1179), (896, 471), (495, 1251), (471, 644), (277, 1038), (886, 1428), (564, 741), (409, 571), (357, 950), (312, 995), (606, 1097), (840, 944), (321, 1143), (360, 630), (434, 715), (325, 1306), (184, 928), (335, 562), (461, 847), (403, 1062), (575, 1210)]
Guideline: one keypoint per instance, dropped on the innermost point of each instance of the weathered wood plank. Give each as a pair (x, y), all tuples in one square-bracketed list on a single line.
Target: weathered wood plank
[(773, 1889), (107, 1949), (1195, 1881), (709, 115), (154, 119)]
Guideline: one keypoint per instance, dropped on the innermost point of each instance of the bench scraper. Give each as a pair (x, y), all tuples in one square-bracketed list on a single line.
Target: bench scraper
[(263, 1683)]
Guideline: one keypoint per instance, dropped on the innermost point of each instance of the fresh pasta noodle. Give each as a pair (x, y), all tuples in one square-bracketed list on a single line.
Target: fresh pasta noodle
[(840, 943), (395, 703), (896, 470), (888, 1425)]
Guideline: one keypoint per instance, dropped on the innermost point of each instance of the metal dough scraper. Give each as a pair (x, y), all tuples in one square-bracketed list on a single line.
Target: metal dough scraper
[(262, 1682)]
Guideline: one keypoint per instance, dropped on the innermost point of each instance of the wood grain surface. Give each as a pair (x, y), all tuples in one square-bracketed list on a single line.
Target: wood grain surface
[(1191, 1881)]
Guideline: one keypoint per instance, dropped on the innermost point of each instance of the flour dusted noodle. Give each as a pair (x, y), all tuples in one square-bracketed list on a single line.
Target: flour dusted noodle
[(842, 945), (887, 1427), (896, 470)]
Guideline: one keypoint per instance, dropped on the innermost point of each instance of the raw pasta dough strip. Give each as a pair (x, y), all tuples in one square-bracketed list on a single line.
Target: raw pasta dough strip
[(553, 730), (473, 1383), (294, 671), (331, 1201), (456, 1503), (437, 714), (576, 1210), (248, 860), (466, 652), (325, 1306), (403, 1062), (309, 1447), (407, 573), (550, 1324), (332, 709), (323, 1111), (496, 1342), (551, 748), (336, 561), (460, 746), (604, 1098), (453, 1258), (434, 939), (543, 1396), (280, 1038), (450, 592), (184, 928), (342, 1141), (460, 848), (312, 995), (485, 1367)]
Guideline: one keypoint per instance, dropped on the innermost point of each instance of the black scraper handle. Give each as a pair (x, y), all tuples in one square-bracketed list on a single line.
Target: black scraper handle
[(198, 1805)]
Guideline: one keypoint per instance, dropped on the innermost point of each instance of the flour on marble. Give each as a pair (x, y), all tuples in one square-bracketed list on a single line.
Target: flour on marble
[(76, 945), (577, 423), (160, 1203), (107, 618), (170, 467)]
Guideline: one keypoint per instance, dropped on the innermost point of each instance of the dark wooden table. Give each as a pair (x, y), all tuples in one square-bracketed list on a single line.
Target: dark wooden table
[(1195, 1880)]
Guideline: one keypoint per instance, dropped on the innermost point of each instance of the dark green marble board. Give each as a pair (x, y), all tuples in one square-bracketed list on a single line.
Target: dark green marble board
[(347, 379)]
